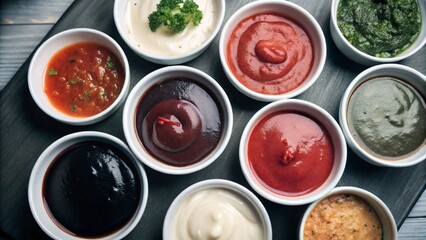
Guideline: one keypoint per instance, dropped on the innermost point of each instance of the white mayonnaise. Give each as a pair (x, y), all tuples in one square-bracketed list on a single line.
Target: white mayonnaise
[(164, 42), (217, 214)]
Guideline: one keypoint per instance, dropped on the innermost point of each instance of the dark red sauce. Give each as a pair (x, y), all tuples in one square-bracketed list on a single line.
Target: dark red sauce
[(179, 122), (290, 153), (92, 189)]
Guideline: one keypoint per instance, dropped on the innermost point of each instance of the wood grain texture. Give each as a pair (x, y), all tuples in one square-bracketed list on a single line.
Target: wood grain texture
[(413, 229), (32, 12), (419, 210), (23, 24), (16, 44), (26, 132)]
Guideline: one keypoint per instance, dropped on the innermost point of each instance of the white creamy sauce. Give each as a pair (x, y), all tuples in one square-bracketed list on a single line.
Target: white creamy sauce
[(164, 42), (217, 214)]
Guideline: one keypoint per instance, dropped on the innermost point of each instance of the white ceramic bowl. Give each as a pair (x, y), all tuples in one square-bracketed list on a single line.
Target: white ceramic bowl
[(35, 186), (319, 115), (288, 10), (121, 15), (247, 197), (44, 53), (363, 58), (131, 106), (386, 218), (408, 75)]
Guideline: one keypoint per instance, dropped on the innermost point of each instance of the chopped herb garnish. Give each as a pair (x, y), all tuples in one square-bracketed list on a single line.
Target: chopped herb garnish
[(104, 94), (74, 108), (53, 72), (86, 96), (73, 81), (110, 64), (175, 15), (71, 60)]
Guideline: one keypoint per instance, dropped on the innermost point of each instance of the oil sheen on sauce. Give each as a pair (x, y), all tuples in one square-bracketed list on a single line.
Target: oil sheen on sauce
[(179, 122), (290, 153), (91, 190), (217, 214)]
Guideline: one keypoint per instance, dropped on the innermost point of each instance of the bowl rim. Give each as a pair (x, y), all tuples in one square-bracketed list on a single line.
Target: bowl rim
[(359, 192), (41, 99), (234, 187), (168, 60), (45, 160), (338, 141), (369, 58), (150, 80), (353, 144), (240, 14)]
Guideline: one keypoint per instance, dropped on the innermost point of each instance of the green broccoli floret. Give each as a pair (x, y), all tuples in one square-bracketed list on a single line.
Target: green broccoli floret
[(175, 15)]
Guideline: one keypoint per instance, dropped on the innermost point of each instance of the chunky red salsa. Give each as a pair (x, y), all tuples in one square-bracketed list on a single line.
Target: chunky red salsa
[(270, 54), (83, 79), (291, 154)]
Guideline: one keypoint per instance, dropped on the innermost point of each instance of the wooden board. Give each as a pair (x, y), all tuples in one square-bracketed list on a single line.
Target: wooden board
[(26, 131), (34, 11), (23, 24), (11, 56)]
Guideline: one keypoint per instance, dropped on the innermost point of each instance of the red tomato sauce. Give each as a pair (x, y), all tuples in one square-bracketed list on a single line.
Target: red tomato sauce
[(83, 79), (270, 54), (290, 153)]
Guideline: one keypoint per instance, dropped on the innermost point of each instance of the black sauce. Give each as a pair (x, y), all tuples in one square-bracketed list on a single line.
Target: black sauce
[(92, 189), (179, 122)]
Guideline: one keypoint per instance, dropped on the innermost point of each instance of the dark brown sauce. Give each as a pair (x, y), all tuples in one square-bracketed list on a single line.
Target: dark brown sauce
[(179, 122), (92, 189)]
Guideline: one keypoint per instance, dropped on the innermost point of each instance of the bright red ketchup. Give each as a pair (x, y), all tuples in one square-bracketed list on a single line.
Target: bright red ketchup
[(270, 54), (290, 153)]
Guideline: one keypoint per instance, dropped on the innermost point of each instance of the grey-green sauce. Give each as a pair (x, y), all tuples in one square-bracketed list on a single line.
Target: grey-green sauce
[(387, 117)]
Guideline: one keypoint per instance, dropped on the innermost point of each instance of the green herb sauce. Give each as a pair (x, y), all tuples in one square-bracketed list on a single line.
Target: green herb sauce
[(381, 28), (387, 118)]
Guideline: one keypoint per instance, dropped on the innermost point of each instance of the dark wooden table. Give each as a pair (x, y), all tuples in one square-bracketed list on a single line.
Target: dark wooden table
[(26, 132)]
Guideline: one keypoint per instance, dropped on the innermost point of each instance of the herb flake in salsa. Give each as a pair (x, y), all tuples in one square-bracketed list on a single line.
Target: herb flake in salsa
[(53, 72), (83, 79)]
